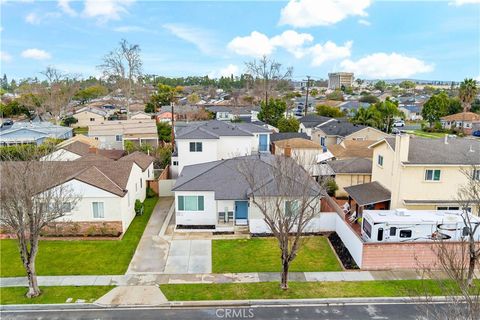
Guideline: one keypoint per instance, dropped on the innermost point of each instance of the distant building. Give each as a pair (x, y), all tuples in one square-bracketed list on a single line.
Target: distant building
[(468, 121), (89, 115), (338, 79), (33, 133)]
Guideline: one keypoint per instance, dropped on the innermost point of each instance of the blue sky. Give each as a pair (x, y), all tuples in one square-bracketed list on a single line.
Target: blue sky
[(438, 40)]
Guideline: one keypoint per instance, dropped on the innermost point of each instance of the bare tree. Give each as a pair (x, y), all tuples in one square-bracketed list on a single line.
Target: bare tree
[(455, 274), (124, 66), (269, 72), (59, 92), (31, 198), (288, 199)]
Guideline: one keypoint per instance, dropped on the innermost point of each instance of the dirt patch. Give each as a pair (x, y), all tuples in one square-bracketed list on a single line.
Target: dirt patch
[(342, 252)]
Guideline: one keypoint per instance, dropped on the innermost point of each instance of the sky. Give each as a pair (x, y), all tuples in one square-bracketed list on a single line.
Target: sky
[(429, 40)]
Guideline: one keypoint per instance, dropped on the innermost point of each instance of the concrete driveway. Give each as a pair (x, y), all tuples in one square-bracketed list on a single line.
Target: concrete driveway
[(189, 256)]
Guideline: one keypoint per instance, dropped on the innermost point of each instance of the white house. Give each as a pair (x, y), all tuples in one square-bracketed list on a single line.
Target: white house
[(215, 195), (217, 140), (33, 133)]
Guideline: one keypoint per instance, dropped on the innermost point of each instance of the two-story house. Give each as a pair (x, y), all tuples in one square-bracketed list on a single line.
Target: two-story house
[(418, 174), (216, 140), (89, 115)]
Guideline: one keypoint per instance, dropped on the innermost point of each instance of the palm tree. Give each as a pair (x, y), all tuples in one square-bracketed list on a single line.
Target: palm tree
[(467, 93), (367, 117)]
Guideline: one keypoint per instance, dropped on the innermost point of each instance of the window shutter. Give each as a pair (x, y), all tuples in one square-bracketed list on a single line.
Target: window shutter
[(180, 203), (200, 203)]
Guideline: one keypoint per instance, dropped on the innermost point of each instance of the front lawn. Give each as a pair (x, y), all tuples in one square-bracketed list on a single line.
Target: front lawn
[(79, 257), (263, 255), (423, 134), (16, 295), (298, 290), (81, 130)]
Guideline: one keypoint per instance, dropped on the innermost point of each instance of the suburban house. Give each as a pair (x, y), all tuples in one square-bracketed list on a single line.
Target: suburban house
[(310, 121), (227, 113), (287, 135), (418, 174), (411, 111), (78, 149), (350, 107), (304, 151), (348, 172), (106, 192), (216, 140), (336, 131), (165, 116), (113, 134), (33, 133), (216, 195), (89, 115), (140, 115), (468, 121)]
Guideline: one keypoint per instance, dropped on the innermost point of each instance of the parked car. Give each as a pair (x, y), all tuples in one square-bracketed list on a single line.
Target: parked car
[(476, 133), (7, 123), (399, 123)]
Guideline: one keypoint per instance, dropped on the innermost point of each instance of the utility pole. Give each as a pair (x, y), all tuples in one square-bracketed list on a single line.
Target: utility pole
[(306, 97), (172, 104)]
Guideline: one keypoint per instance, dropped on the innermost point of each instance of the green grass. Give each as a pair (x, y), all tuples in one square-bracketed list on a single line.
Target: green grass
[(263, 255), (81, 130), (423, 134), (298, 290), (16, 295), (79, 257)]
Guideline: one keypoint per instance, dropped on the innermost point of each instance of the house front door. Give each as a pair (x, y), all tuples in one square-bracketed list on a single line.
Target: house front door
[(241, 210)]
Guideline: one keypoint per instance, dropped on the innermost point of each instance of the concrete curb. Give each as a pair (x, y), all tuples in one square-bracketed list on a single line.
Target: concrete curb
[(232, 303)]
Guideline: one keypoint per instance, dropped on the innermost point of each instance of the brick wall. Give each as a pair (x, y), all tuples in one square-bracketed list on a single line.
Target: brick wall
[(388, 256)]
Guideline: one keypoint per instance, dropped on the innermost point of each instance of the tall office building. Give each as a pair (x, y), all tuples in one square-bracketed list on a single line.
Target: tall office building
[(338, 79)]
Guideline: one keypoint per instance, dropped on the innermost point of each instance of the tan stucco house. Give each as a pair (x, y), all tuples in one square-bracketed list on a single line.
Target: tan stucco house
[(87, 116), (418, 173)]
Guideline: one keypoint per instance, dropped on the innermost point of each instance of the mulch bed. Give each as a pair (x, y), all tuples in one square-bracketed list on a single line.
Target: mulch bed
[(342, 252)]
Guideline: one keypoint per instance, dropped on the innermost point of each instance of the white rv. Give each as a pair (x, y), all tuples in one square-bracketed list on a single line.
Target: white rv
[(403, 225)]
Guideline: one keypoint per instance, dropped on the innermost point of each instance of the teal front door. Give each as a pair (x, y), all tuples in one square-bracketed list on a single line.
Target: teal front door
[(241, 210)]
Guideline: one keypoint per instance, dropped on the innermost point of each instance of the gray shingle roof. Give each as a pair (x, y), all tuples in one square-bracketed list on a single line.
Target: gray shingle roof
[(355, 165), (435, 151), (288, 135), (313, 120), (340, 128), (224, 177), (215, 129), (368, 193)]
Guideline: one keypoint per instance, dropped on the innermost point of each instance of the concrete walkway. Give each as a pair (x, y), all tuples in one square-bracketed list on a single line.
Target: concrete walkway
[(156, 279), (152, 250)]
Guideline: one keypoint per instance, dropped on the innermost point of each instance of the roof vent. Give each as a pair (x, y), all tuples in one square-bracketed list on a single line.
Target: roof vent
[(402, 212)]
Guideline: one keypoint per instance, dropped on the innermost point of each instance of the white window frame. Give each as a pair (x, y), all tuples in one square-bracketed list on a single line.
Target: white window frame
[(476, 174), (118, 137), (100, 213), (182, 205), (380, 160), (433, 175), (195, 146)]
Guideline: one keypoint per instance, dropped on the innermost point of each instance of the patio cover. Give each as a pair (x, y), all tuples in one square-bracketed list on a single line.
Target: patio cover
[(368, 193)]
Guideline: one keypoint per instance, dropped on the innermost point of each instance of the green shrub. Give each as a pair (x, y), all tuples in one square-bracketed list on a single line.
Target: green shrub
[(138, 207), (150, 193), (331, 187)]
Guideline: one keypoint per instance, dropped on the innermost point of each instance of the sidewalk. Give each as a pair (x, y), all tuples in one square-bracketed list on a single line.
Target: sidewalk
[(152, 250), (156, 278)]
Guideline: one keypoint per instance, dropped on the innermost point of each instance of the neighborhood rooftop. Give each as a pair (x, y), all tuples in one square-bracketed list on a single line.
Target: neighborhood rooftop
[(312, 120), (214, 129), (340, 128)]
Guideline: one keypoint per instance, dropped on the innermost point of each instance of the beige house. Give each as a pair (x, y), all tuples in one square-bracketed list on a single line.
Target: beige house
[(350, 149), (140, 115), (87, 116), (304, 151), (334, 132), (418, 173), (469, 121), (113, 134), (349, 172)]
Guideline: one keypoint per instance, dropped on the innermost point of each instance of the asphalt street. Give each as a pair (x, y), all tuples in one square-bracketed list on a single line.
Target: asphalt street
[(395, 311)]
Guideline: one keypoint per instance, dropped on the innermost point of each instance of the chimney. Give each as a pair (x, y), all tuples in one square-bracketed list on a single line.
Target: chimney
[(92, 150), (402, 145), (288, 151)]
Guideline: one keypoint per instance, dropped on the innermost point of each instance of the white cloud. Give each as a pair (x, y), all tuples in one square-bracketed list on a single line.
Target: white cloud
[(384, 65), (5, 57), (130, 29), (106, 10), (462, 2), (292, 41), (329, 51), (229, 70), (364, 22), (65, 6), (202, 39), (32, 18), (255, 45), (36, 54), (311, 13)]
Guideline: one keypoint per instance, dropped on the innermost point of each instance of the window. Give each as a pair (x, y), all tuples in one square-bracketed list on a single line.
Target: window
[(175, 163), (405, 233), (380, 160), (190, 203), (196, 147), (263, 142), (448, 208), (141, 183), (380, 234), (92, 119), (432, 175), (66, 207), (322, 141), (367, 227), (96, 138), (291, 208), (476, 174), (136, 187), (118, 137), (98, 210)]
